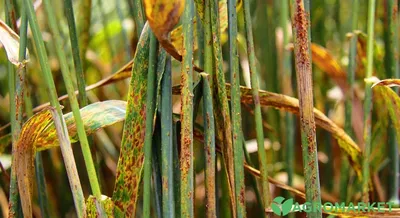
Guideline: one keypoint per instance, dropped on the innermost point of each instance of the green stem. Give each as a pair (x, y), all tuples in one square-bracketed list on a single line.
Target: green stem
[(236, 111), (392, 71), (262, 157), (150, 105), (209, 147), (166, 143), (138, 16), (73, 100), (368, 101), (300, 24), (15, 87), (344, 176), (186, 160), (80, 76), (46, 74)]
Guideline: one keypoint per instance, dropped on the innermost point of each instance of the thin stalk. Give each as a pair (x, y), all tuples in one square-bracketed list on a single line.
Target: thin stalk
[(46, 73), (209, 147), (14, 86), (236, 111), (80, 76), (138, 16), (166, 143), (368, 101), (186, 160), (262, 157), (73, 100), (392, 71), (287, 90), (300, 24), (344, 176), (150, 106)]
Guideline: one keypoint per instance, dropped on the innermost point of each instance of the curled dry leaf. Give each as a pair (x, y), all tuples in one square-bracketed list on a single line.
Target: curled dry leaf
[(10, 41), (162, 16)]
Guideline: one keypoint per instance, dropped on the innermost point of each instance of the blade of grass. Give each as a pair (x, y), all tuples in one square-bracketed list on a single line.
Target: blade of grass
[(301, 33), (80, 76), (150, 106), (186, 159), (54, 27), (236, 111), (167, 148), (209, 147), (46, 73), (392, 71), (344, 176), (262, 157), (368, 101)]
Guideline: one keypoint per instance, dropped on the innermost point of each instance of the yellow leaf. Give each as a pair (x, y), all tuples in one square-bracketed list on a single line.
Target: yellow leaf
[(162, 16)]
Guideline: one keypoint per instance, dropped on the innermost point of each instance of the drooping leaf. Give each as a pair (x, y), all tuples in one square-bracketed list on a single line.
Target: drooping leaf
[(10, 40), (39, 133), (130, 163), (24, 156), (162, 16), (391, 99), (94, 116)]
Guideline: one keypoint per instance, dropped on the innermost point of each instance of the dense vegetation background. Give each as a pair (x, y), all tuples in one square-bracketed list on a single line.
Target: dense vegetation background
[(196, 111)]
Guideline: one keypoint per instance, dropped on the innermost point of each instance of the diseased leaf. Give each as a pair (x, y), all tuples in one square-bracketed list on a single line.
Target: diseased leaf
[(131, 158), (39, 133), (102, 208), (392, 101), (10, 41), (94, 116), (24, 156), (162, 16)]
